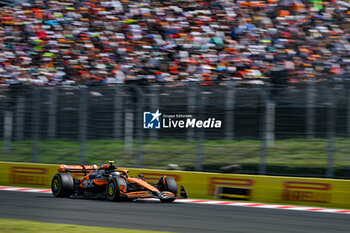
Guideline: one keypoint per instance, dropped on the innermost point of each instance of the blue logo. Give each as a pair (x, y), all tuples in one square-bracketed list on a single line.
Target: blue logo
[(151, 120)]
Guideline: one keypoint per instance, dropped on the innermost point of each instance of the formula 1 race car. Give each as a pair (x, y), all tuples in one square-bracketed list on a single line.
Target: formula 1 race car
[(111, 183)]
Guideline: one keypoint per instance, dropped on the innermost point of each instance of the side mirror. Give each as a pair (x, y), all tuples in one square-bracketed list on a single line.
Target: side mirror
[(141, 176)]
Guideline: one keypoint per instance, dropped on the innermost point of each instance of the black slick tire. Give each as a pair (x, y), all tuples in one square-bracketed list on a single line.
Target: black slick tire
[(62, 185), (116, 189), (167, 184)]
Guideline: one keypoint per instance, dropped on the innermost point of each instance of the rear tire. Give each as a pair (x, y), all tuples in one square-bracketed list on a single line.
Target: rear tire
[(62, 185), (167, 184), (116, 189)]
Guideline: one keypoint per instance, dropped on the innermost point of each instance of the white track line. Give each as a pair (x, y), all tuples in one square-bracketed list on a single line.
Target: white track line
[(267, 206), (211, 202)]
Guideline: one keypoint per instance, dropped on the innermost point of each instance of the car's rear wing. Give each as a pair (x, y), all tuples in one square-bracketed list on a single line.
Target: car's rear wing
[(77, 168)]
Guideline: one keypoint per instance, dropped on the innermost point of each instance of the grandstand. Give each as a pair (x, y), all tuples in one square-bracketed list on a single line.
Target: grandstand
[(108, 42)]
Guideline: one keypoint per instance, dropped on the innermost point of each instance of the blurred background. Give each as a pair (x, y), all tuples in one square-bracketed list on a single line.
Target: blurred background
[(77, 75), (301, 129)]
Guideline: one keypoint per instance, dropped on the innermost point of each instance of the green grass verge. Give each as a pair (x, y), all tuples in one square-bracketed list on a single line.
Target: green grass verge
[(297, 153), (16, 226)]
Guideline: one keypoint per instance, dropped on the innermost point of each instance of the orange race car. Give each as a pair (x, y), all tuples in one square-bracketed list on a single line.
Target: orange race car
[(111, 183)]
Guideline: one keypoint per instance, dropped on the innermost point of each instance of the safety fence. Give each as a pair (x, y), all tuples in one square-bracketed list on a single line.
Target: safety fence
[(298, 128)]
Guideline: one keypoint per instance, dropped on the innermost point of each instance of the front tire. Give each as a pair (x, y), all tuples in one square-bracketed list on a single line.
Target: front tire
[(62, 185), (167, 184), (116, 189)]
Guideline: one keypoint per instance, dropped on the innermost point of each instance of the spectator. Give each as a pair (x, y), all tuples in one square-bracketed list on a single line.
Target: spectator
[(110, 41)]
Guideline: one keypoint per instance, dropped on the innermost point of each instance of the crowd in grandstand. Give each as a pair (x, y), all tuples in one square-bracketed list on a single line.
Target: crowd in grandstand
[(110, 41)]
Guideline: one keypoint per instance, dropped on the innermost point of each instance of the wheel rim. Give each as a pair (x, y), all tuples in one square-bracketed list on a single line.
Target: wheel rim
[(56, 185), (111, 188)]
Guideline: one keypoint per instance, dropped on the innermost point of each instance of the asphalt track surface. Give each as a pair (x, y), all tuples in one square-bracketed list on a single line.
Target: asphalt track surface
[(175, 217)]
